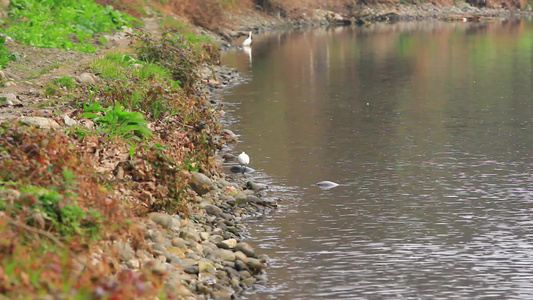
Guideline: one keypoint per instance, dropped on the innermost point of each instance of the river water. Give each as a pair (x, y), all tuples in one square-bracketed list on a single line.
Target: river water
[(428, 129)]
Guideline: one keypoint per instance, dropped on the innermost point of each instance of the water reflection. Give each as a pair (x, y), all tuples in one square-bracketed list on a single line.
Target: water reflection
[(428, 129)]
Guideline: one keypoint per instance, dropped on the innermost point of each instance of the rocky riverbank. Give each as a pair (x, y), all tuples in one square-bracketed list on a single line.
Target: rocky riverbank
[(202, 254), (205, 255)]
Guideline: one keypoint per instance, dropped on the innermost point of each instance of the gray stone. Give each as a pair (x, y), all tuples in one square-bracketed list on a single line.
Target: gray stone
[(189, 233), (206, 266), (215, 238), (249, 281), (9, 195), (85, 78), (200, 183), (240, 265), (223, 255), (191, 270), (240, 198), (166, 221), (156, 267), (255, 199), (213, 210), (9, 99), (241, 256), (68, 120), (245, 248), (244, 274), (39, 122), (256, 187), (231, 243), (124, 250), (159, 249), (178, 242), (254, 265), (2, 75)]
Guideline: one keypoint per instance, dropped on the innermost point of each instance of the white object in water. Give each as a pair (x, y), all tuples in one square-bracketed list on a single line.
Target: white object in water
[(248, 41), (243, 160), (327, 184)]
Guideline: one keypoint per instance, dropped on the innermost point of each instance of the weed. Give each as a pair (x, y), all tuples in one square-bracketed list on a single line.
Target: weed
[(116, 121), (5, 55), (57, 85)]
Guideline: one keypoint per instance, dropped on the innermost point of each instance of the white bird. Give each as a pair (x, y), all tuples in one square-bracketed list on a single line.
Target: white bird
[(248, 41), (243, 159)]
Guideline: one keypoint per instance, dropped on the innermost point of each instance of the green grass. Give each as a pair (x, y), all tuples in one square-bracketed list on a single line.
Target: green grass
[(65, 24), (5, 55)]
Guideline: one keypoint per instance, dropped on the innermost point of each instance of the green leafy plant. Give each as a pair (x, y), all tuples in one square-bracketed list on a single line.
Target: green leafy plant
[(117, 121), (5, 55)]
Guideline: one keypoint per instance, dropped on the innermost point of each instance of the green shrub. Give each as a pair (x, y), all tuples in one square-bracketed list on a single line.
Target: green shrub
[(180, 54), (51, 210)]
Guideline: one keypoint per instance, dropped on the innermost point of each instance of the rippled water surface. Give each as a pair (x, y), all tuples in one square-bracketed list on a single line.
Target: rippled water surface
[(428, 129)]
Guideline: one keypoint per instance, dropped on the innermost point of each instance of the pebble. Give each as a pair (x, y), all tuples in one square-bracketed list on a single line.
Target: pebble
[(166, 221), (86, 78), (245, 248), (39, 122)]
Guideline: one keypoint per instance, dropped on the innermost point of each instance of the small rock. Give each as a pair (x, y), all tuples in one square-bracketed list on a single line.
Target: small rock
[(241, 256), (231, 243), (9, 99), (256, 187), (223, 255), (68, 120), (200, 183), (166, 221), (2, 75), (191, 270), (179, 242), (215, 238), (204, 236), (254, 264), (176, 251), (133, 264), (156, 267), (249, 281), (159, 249), (39, 122), (255, 199), (205, 265), (9, 195), (124, 251), (240, 198), (189, 233), (85, 78), (213, 210), (245, 248), (240, 265)]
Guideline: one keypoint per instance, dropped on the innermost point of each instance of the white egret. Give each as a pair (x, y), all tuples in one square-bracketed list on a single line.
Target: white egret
[(243, 160), (248, 41), (248, 51)]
